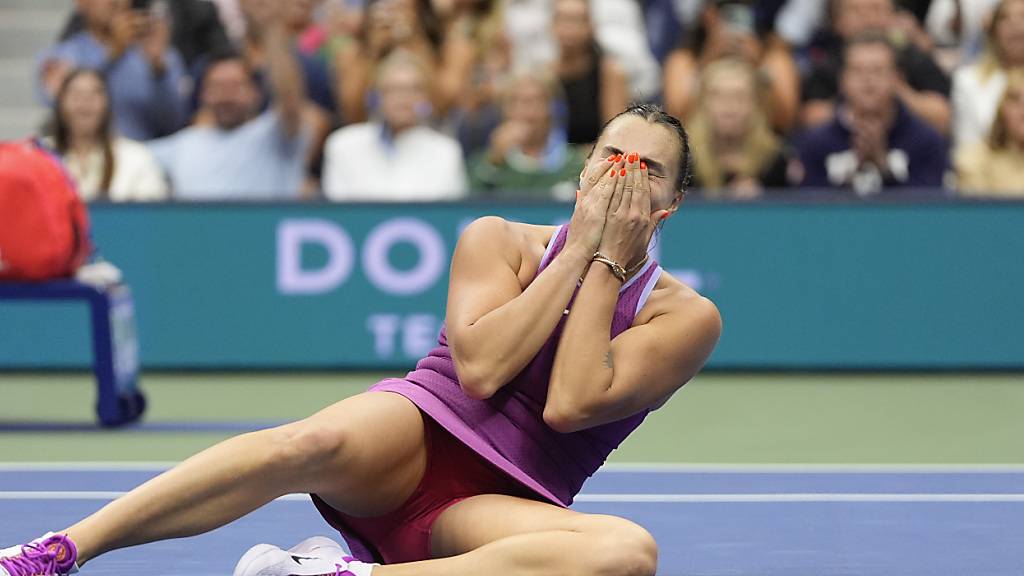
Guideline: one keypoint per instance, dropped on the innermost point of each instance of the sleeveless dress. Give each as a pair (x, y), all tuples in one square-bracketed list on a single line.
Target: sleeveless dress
[(508, 429)]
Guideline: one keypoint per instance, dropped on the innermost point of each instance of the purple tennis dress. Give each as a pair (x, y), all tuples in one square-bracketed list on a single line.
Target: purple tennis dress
[(508, 429)]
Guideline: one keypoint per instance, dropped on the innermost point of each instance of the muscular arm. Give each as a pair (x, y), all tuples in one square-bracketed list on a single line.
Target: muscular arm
[(494, 326), (596, 380)]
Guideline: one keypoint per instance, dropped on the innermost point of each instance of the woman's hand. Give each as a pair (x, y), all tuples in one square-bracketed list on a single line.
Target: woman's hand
[(629, 223), (588, 217)]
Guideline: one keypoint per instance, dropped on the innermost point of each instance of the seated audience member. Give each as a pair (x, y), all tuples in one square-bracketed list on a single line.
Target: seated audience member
[(726, 29), (922, 86), (103, 165), (242, 154), (528, 156), (978, 87), (736, 154), (397, 157), (388, 25), (995, 167), (132, 48), (595, 86), (196, 29), (874, 141)]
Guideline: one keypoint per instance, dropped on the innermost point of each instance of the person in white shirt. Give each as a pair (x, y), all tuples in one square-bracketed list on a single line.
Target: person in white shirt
[(396, 157), (103, 165), (978, 87)]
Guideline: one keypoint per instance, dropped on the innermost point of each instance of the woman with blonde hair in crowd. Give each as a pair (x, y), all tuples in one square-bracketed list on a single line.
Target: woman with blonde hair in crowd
[(978, 87), (736, 154), (996, 167), (104, 166)]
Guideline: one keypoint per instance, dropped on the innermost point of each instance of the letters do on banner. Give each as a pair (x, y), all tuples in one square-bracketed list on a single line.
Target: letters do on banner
[(295, 234)]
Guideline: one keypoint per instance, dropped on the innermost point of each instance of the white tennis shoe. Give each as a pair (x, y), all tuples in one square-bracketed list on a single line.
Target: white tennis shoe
[(316, 556)]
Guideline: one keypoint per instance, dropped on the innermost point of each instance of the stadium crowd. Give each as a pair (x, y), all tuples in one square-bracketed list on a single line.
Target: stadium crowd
[(409, 100)]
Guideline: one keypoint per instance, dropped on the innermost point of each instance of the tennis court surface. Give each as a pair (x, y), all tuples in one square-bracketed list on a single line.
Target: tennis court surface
[(772, 521), (901, 475)]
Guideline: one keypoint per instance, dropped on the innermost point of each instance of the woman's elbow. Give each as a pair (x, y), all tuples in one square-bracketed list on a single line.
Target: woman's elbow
[(563, 419), (475, 382)]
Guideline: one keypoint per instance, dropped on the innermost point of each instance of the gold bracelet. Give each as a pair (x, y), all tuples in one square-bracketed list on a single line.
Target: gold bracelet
[(617, 270)]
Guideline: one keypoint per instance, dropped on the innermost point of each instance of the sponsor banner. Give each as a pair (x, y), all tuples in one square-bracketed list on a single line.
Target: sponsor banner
[(800, 286)]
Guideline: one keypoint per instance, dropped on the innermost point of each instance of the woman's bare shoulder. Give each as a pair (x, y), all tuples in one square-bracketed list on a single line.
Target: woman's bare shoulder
[(523, 244), (671, 295)]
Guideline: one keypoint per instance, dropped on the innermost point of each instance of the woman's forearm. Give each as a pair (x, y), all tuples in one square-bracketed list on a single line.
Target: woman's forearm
[(584, 366), (496, 347)]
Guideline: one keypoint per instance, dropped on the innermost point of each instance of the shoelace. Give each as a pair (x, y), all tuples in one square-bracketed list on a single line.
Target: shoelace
[(34, 560)]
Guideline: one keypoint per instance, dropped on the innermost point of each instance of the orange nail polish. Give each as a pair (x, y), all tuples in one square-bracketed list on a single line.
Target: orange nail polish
[(643, 165), (618, 157), (632, 157), (611, 158), (622, 172), (577, 194), (612, 173)]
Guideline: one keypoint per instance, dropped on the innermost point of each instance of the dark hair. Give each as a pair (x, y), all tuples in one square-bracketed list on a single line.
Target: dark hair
[(868, 38), (219, 56), (60, 130), (656, 115)]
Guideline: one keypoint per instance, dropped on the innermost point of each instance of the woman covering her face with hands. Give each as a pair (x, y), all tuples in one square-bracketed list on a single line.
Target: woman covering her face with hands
[(558, 342)]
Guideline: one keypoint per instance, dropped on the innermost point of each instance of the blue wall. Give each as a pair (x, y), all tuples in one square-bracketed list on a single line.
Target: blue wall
[(800, 286)]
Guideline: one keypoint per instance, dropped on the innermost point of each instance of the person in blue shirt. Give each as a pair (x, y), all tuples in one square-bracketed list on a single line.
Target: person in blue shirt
[(874, 142), (131, 48), (235, 151)]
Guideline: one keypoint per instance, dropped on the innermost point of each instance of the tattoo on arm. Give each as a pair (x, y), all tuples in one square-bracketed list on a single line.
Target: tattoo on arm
[(608, 360)]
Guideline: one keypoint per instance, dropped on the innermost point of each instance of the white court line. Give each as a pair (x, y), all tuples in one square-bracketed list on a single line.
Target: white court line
[(614, 467), (619, 498)]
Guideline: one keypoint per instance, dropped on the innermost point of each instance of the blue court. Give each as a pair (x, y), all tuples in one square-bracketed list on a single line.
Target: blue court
[(713, 521)]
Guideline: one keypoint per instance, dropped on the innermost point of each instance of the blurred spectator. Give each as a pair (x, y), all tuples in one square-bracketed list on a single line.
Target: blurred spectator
[(726, 28), (104, 166), (529, 155), (923, 86), (296, 15), (978, 87), (958, 29), (242, 153), (132, 48), (736, 154), (595, 86), (874, 141), (621, 32), (398, 157), (996, 167), (196, 29), (389, 24), (474, 52)]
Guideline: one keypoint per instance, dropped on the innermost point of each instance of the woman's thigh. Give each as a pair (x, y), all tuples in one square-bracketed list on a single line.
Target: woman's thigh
[(484, 519), (379, 454)]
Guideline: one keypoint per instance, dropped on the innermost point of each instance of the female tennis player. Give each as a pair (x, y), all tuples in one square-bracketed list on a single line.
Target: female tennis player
[(558, 342)]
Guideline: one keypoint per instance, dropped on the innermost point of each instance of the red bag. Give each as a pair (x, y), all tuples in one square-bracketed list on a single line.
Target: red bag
[(44, 226)]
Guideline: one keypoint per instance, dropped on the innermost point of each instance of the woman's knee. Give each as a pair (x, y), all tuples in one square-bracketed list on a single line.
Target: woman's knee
[(308, 445), (625, 548)]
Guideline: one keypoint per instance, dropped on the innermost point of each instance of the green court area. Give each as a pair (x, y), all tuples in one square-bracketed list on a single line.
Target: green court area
[(717, 418)]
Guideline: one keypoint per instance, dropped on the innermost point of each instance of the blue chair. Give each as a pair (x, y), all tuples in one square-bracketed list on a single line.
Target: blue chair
[(114, 343)]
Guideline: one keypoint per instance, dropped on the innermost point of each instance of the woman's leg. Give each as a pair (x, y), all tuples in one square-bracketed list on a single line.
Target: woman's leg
[(341, 452), (511, 536)]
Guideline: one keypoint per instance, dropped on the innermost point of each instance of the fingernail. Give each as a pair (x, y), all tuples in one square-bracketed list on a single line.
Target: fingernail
[(577, 194), (632, 157), (622, 172), (665, 215), (643, 165), (611, 158), (618, 157), (612, 173)]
